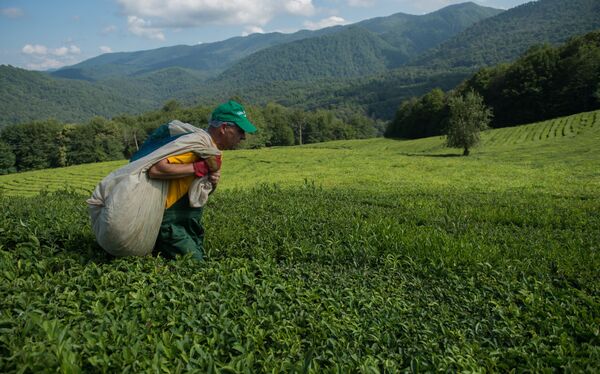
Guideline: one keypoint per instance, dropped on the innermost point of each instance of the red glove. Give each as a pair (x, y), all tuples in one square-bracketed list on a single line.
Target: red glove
[(200, 168)]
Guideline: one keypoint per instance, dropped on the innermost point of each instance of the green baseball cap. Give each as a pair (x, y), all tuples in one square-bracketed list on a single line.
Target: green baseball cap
[(232, 111)]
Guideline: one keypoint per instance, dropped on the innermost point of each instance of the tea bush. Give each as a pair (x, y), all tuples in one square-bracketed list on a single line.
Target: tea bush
[(312, 279), (349, 256)]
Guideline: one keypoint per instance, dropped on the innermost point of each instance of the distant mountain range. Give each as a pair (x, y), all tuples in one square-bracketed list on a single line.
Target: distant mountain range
[(203, 60), (370, 65)]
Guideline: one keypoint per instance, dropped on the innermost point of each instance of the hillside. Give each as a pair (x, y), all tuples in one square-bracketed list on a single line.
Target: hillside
[(352, 68), (27, 95), (205, 60), (380, 93), (365, 48), (509, 34)]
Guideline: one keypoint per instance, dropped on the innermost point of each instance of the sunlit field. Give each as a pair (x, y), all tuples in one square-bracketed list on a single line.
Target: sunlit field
[(365, 255)]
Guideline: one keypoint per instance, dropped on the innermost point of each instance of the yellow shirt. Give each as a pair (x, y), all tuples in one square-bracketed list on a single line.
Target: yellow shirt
[(180, 186)]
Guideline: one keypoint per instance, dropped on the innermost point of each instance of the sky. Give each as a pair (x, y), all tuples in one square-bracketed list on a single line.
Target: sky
[(48, 34)]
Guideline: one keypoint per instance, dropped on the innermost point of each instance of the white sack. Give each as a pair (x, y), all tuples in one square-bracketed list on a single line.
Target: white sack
[(126, 207)]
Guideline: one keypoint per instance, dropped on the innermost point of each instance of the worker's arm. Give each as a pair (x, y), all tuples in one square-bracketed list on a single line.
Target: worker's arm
[(164, 170)]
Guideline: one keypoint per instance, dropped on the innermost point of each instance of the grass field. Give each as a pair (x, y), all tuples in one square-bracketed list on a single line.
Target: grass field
[(367, 256)]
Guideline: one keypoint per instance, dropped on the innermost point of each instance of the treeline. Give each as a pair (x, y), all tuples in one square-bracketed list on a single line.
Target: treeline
[(546, 82), (49, 144)]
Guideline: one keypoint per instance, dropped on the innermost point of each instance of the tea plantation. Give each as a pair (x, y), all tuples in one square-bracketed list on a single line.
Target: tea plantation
[(352, 256)]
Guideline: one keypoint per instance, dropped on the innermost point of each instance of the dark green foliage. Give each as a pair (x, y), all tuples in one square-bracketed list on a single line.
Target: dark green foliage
[(28, 95), (468, 116), (51, 144), (41, 145), (506, 36), (34, 145), (305, 279), (420, 118), (99, 140), (546, 82), (349, 53), (7, 159)]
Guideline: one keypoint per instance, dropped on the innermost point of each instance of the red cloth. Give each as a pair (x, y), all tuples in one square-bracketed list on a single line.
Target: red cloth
[(200, 168)]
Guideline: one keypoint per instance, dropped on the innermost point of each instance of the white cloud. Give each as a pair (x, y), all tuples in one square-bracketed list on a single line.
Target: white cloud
[(43, 58), (36, 49), (73, 49), (300, 7), (253, 30), (64, 50), (11, 12), (45, 64), (105, 49), (326, 22), (190, 13), (109, 29), (361, 3), (60, 51), (143, 28)]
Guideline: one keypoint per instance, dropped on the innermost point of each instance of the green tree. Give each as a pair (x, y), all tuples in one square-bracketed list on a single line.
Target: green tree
[(299, 122), (34, 144), (171, 106), (7, 159), (277, 121), (99, 140), (468, 117), (420, 117)]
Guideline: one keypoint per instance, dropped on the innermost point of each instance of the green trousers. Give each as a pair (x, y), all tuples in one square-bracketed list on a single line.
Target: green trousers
[(181, 231)]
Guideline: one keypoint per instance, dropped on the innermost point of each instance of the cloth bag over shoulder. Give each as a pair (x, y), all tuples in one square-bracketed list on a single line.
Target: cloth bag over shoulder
[(127, 206)]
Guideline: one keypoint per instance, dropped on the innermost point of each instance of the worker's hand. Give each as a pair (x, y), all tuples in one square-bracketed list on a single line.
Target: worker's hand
[(214, 177)]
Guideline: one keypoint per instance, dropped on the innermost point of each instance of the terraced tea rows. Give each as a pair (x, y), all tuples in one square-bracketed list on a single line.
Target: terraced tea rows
[(80, 178), (570, 126)]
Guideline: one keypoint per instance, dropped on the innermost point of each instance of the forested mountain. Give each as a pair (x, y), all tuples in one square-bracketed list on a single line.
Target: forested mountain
[(365, 48), (368, 67), (352, 52), (203, 60), (509, 34), (546, 82), (29, 95)]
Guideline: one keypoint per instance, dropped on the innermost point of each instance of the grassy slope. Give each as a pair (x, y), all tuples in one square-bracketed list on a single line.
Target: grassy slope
[(508, 158), (406, 258)]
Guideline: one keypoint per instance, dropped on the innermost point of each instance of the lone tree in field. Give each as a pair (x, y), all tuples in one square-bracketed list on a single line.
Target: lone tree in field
[(468, 117)]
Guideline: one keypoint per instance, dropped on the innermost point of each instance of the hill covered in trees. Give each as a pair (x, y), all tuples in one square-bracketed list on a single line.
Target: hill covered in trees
[(365, 48), (368, 67), (379, 94), (204, 60), (508, 35), (29, 95), (149, 78), (546, 82)]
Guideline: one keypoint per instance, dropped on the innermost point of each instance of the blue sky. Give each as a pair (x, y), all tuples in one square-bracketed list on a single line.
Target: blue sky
[(47, 34)]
